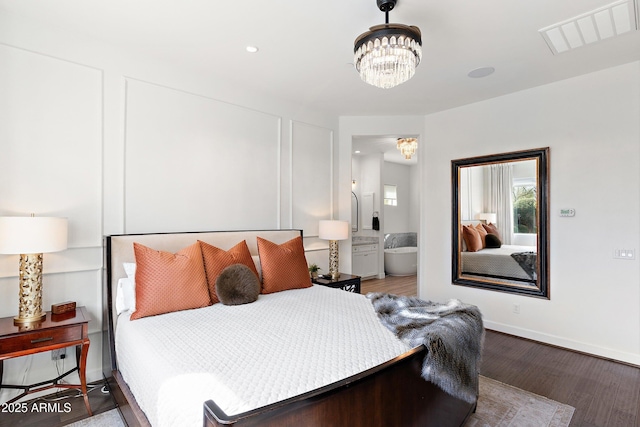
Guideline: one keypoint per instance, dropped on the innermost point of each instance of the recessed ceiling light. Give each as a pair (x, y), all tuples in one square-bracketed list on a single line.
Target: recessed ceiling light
[(481, 72), (357, 151), (252, 49)]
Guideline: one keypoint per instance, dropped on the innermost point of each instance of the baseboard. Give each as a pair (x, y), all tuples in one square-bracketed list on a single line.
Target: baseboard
[(592, 350)]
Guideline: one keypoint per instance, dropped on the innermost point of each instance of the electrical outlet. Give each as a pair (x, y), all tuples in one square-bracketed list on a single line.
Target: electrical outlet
[(516, 308), (59, 354)]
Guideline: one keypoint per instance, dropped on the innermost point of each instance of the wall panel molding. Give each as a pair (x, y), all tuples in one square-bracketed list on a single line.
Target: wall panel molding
[(195, 163), (311, 164), (52, 116)]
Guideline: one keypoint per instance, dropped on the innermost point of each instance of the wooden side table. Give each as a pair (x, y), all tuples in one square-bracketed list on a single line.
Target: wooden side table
[(51, 333), (346, 282)]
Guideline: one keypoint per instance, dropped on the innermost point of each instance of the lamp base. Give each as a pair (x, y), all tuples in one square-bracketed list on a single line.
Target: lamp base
[(333, 259), (33, 319), (30, 290)]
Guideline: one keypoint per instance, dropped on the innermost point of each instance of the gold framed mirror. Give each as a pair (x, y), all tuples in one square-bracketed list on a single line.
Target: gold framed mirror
[(500, 222)]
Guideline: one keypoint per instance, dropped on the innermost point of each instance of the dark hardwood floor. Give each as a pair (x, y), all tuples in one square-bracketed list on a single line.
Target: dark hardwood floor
[(399, 285), (605, 393)]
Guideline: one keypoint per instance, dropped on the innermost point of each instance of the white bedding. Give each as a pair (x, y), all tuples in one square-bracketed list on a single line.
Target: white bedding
[(248, 356), (496, 262)]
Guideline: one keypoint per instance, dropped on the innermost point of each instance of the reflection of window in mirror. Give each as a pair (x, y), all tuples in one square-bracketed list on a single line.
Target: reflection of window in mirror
[(390, 195), (525, 202)]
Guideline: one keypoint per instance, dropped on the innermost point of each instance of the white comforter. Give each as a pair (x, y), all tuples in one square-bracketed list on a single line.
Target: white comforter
[(496, 262), (244, 357)]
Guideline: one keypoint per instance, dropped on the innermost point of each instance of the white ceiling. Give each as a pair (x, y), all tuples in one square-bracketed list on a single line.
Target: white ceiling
[(306, 47)]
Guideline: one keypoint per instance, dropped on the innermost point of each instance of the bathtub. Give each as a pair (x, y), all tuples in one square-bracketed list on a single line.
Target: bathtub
[(401, 261)]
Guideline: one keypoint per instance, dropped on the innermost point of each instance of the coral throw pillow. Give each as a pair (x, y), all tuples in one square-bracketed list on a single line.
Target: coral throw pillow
[(483, 234), (283, 266), (491, 228), (216, 260), (167, 282), (471, 238)]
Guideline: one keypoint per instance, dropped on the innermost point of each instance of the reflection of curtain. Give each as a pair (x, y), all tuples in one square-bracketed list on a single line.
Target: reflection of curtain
[(498, 198)]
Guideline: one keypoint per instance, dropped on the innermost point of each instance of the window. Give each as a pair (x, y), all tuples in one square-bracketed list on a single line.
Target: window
[(390, 195), (525, 201)]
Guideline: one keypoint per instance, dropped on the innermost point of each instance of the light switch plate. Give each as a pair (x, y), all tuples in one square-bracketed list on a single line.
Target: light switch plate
[(624, 254)]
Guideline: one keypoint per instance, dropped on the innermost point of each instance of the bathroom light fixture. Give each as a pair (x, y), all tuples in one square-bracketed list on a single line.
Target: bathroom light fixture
[(31, 237), (388, 54), (333, 231), (407, 147)]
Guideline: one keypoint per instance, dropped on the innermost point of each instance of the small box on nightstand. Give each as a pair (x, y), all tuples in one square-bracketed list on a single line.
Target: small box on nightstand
[(63, 307)]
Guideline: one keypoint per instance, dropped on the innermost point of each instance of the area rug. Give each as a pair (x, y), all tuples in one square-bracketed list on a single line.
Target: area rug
[(501, 405), (106, 419)]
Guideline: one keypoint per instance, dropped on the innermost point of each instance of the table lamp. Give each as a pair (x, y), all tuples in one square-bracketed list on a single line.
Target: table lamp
[(487, 217), (31, 237), (333, 231)]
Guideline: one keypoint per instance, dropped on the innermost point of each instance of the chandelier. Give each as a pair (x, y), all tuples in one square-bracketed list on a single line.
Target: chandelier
[(407, 147), (388, 54)]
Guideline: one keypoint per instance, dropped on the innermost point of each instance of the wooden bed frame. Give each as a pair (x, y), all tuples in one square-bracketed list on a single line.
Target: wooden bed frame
[(390, 394)]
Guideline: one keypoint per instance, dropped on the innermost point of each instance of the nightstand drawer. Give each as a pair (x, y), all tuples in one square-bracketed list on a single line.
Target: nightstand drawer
[(41, 339)]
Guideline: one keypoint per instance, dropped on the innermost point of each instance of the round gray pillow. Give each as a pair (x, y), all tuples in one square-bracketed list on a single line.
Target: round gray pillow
[(236, 285), (492, 241)]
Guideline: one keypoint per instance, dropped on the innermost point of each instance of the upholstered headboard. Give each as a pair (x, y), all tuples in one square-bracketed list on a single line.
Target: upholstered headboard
[(119, 249)]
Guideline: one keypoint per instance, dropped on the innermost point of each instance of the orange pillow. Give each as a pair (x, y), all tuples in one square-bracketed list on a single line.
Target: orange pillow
[(491, 228), (483, 234), (283, 266), (216, 260), (167, 282), (471, 238)]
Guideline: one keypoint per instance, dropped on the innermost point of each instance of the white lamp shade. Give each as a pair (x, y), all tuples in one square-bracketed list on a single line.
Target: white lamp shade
[(333, 230), (32, 235), (488, 217)]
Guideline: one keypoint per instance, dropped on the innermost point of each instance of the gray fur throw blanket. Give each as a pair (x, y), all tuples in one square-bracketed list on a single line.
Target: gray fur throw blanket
[(452, 333)]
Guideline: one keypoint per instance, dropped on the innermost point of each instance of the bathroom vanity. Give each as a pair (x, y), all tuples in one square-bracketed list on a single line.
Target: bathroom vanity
[(365, 259)]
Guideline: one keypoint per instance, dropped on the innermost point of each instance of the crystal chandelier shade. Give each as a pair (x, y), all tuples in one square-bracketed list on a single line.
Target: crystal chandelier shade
[(407, 147), (386, 58), (388, 54)]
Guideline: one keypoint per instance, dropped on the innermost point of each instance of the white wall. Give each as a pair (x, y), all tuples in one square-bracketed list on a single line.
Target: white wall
[(414, 198), (592, 126), (118, 142), (397, 218)]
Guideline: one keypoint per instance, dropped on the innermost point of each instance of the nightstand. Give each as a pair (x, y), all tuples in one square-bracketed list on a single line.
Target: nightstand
[(346, 282), (51, 333)]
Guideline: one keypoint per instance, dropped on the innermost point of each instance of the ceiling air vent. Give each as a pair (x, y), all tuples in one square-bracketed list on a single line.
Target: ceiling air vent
[(608, 21)]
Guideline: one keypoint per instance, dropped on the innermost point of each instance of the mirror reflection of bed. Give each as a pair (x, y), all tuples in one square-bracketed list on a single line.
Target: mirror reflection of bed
[(500, 213), (510, 264)]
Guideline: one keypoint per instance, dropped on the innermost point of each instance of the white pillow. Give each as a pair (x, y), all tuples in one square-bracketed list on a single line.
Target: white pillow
[(126, 295), (130, 269)]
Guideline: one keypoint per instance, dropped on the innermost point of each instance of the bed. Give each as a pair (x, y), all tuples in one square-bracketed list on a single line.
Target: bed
[(372, 386), (508, 262)]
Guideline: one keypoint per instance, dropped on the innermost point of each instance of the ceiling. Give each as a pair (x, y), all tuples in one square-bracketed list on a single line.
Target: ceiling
[(306, 47)]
